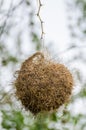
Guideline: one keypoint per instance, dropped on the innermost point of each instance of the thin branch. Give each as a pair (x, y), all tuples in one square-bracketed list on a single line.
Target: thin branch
[(67, 50), (41, 22), (10, 11)]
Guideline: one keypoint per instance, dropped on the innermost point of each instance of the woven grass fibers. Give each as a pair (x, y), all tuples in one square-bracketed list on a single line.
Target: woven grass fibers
[(43, 85)]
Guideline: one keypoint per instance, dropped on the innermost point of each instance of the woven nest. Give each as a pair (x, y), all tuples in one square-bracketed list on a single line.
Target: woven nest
[(43, 85)]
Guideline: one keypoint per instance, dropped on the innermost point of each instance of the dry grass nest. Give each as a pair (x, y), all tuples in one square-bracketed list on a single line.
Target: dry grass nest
[(43, 85)]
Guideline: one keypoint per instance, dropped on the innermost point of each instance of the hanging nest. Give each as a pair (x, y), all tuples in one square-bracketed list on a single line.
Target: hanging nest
[(43, 85)]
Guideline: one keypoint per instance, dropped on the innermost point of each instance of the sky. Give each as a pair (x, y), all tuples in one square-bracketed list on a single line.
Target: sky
[(54, 16), (55, 22)]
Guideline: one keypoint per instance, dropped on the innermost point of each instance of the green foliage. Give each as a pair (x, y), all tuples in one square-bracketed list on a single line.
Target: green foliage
[(35, 39), (82, 5), (9, 59), (20, 120), (13, 120)]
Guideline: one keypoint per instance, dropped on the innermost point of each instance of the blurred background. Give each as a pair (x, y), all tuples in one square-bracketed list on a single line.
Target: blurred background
[(65, 39)]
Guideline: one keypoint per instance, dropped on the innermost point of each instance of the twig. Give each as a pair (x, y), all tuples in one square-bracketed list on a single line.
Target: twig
[(38, 14), (10, 11), (67, 50)]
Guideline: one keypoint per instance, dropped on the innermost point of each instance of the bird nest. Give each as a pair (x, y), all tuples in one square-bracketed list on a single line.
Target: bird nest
[(43, 85)]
